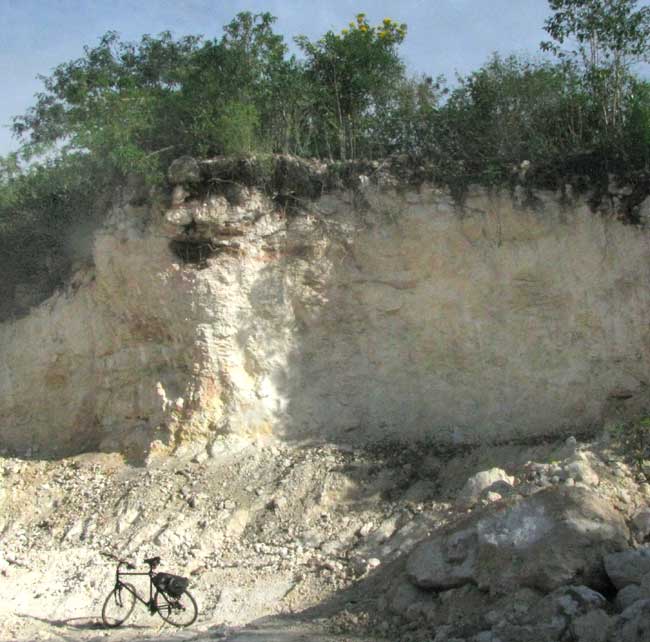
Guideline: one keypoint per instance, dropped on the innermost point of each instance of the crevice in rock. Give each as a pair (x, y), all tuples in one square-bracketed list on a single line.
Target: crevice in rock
[(195, 252)]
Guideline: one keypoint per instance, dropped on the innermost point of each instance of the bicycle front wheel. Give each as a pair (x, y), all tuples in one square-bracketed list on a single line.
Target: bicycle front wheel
[(178, 611), (118, 605)]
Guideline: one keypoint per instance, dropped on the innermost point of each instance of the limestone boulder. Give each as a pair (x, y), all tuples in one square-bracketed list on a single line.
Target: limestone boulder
[(571, 612), (628, 596), (403, 595), (633, 625), (482, 482), (513, 607), (591, 627), (555, 537), (445, 561), (641, 523), (568, 602), (628, 567), (464, 608), (580, 470)]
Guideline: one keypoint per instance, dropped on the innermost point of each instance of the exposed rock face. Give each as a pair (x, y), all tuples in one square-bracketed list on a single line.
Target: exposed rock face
[(374, 312)]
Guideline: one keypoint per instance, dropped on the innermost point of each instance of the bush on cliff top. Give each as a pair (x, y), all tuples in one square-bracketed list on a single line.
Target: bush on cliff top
[(127, 108), (133, 106)]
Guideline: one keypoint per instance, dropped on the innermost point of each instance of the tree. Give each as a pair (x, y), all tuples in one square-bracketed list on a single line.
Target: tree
[(247, 74), (236, 128), (351, 72), (10, 172), (511, 110), (116, 102), (137, 105), (48, 212), (637, 125), (609, 37), (405, 120), (228, 72)]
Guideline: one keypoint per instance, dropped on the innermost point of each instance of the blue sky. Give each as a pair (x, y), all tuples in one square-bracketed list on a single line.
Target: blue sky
[(445, 36)]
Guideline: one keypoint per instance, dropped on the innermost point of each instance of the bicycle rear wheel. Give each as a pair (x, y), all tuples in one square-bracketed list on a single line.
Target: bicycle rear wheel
[(118, 606), (178, 611)]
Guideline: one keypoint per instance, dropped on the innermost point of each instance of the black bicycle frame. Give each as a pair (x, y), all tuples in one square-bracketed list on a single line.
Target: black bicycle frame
[(121, 585)]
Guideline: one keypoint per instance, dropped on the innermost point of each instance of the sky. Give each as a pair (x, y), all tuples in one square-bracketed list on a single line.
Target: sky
[(444, 36)]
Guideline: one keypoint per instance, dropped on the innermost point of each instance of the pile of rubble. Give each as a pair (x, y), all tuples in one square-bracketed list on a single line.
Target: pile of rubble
[(555, 552), (398, 541)]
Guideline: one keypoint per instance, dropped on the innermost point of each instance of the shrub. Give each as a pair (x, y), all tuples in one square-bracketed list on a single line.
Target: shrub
[(634, 438), (236, 129)]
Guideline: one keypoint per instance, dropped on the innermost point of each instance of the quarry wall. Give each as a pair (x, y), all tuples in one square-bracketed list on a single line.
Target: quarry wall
[(382, 310)]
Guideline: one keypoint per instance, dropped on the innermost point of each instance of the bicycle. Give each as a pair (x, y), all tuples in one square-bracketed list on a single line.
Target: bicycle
[(171, 599)]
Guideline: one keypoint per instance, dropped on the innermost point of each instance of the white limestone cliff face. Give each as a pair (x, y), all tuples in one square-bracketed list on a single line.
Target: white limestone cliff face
[(409, 317)]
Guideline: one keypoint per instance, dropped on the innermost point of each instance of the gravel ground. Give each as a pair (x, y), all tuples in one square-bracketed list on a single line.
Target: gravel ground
[(280, 542)]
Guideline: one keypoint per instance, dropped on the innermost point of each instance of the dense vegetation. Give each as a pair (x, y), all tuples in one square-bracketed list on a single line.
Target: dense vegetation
[(127, 108)]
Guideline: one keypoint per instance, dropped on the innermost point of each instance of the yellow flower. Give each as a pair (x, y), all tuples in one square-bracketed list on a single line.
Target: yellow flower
[(352, 25), (345, 32), (387, 21), (382, 34), (363, 28)]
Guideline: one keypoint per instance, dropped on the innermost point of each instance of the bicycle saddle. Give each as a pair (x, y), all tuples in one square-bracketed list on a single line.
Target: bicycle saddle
[(153, 561)]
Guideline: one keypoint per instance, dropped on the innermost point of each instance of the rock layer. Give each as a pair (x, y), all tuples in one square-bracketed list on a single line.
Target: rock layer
[(379, 311)]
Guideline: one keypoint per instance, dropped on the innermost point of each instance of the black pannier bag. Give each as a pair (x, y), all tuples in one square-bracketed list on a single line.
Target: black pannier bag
[(173, 585)]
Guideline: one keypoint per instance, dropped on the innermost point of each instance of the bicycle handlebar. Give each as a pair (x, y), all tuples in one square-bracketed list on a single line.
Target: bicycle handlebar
[(153, 562), (110, 556)]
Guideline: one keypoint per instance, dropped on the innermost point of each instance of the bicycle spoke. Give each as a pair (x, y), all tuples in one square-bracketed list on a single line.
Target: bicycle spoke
[(181, 611), (118, 606)]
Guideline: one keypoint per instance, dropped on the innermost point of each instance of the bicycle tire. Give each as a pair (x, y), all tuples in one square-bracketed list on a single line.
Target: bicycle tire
[(118, 606), (179, 612)]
